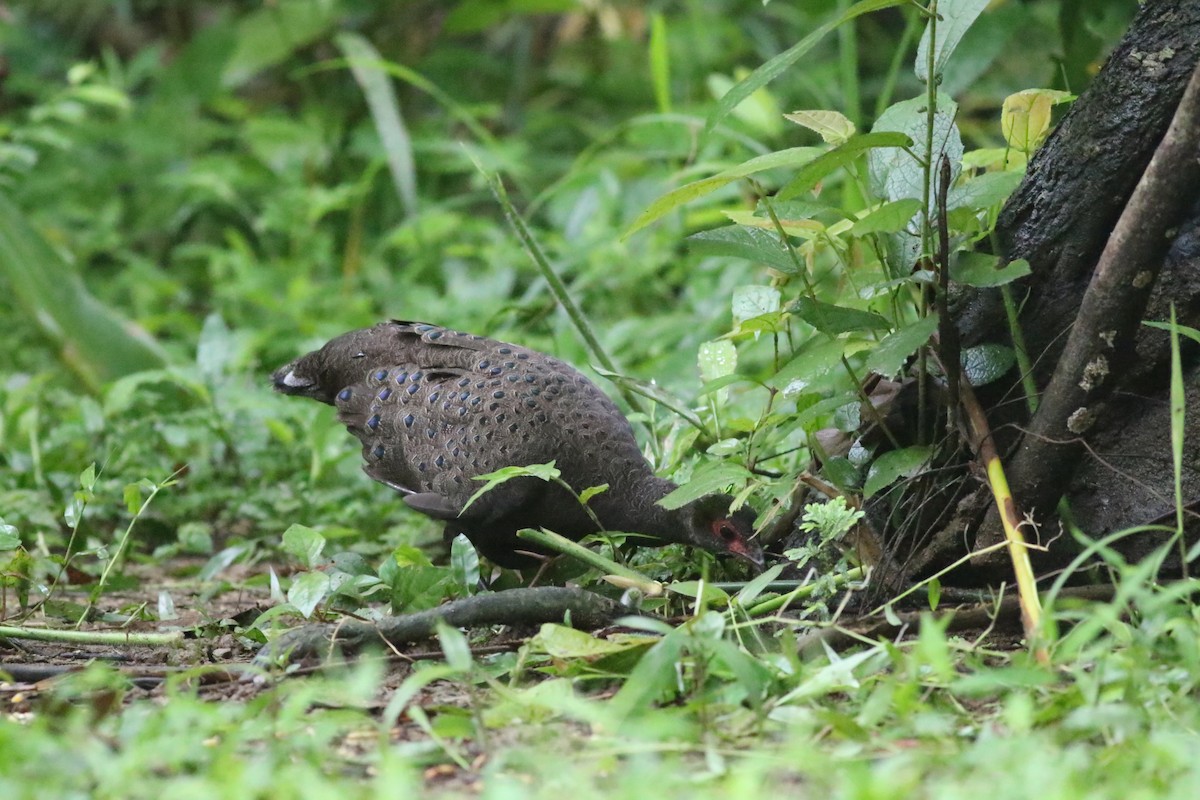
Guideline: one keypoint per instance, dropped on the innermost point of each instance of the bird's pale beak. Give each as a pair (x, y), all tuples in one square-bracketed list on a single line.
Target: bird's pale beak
[(748, 551)]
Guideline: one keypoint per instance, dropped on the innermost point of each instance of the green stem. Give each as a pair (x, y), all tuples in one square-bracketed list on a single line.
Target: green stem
[(577, 551), (107, 638), (772, 604)]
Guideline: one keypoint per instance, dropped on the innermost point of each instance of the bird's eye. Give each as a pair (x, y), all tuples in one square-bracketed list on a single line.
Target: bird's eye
[(724, 529)]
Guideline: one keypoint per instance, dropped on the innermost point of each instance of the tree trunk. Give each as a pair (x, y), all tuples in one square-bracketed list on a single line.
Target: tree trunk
[(1101, 434)]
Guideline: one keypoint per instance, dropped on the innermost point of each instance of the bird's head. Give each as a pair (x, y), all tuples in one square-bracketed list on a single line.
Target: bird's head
[(343, 361), (711, 526)]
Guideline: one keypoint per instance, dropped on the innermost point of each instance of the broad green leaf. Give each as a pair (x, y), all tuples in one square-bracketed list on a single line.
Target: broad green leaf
[(417, 588), (688, 192), (87, 478), (888, 218), (816, 357), (896, 174), (215, 349), (754, 301), (890, 354), (893, 465), (985, 363), (304, 544), (464, 564), (559, 641), (10, 538), (406, 555), (754, 244), (307, 590), (815, 171), (954, 18), (717, 359), (95, 341), (133, 497), (711, 478), (832, 319), (980, 269), (983, 191), (780, 63), (833, 126)]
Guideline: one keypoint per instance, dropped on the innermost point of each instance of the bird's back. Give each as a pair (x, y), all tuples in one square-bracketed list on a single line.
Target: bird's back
[(434, 408)]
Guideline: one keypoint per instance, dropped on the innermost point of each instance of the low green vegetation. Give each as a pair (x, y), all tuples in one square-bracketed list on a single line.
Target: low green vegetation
[(194, 195)]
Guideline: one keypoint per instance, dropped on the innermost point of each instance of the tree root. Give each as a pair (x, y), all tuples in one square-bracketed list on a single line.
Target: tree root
[(576, 607)]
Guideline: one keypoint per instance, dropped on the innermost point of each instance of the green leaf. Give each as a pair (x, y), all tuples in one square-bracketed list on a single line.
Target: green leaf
[(816, 358), (417, 588), (1184, 330), (87, 478), (561, 642), (652, 678), (307, 590), (381, 99), (756, 586), (464, 564), (743, 241), (954, 18), (897, 174), (780, 63), (406, 555), (985, 363), (304, 544), (760, 111), (814, 171), (888, 218), (833, 320), (983, 191), (935, 593), (590, 492), (688, 192), (10, 538), (890, 354), (96, 342), (980, 269), (133, 497), (832, 126), (215, 349), (711, 478), (717, 359), (754, 301), (893, 465), (454, 647), (545, 472), (268, 35), (713, 597)]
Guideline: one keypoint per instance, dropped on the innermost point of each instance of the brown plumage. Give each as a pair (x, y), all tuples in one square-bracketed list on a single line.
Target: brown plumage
[(434, 408)]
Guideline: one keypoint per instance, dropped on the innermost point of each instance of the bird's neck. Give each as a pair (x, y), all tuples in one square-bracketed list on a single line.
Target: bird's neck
[(632, 506)]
